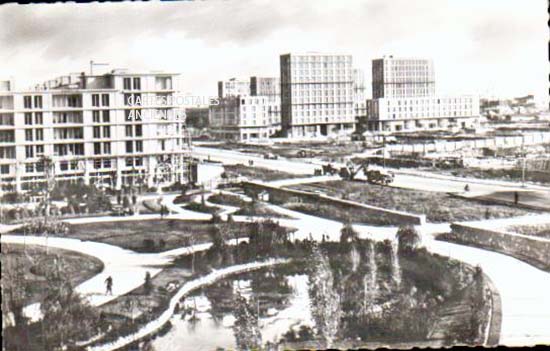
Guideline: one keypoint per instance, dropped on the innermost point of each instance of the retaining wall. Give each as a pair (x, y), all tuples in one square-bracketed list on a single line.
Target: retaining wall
[(361, 212), (533, 250)]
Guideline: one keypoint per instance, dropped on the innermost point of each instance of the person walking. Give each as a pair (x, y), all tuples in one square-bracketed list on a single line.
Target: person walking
[(109, 285), (516, 197)]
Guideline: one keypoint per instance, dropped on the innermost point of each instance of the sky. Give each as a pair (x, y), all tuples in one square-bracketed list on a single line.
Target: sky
[(486, 47)]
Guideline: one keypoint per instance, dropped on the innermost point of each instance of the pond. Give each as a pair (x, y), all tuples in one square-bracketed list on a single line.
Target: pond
[(340, 296), (211, 325)]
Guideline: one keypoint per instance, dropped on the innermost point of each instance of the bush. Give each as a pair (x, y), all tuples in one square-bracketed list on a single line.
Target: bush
[(408, 239)]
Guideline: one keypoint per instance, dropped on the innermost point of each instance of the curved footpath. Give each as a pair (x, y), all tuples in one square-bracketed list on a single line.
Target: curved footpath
[(524, 289), (524, 292)]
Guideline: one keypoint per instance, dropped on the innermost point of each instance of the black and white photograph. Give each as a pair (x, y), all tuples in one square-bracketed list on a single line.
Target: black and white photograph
[(256, 175)]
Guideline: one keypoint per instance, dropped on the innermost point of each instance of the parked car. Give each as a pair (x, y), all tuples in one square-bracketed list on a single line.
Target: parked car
[(271, 156)]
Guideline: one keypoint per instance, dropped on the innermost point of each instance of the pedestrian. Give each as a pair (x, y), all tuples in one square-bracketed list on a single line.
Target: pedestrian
[(516, 197), (109, 285), (467, 188)]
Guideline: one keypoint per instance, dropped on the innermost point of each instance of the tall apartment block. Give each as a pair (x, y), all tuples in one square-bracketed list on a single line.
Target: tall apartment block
[(317, 97), (360, 99), (112, 129), (242, 118), (233, 87), (404, 99), (402, 77)]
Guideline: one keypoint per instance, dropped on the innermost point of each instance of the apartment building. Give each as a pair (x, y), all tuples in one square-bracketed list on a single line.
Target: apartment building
[(317, 97), (269, 87), (242, 118), (405, 99), (114, 129), (233, 87), (402, 77)]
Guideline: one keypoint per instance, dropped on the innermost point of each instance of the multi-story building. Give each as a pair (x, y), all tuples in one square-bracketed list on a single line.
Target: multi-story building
[(242, 118), (196, 117), (402, 77), (404, 99), (422, 113), (360, 98), (233, 87), (317, 97), (114, 129), (269, 87)]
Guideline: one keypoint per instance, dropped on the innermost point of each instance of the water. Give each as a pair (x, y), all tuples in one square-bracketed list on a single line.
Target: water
[(209, 333)]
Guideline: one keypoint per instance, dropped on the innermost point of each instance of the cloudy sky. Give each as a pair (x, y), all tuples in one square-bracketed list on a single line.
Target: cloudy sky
[(496, 47)]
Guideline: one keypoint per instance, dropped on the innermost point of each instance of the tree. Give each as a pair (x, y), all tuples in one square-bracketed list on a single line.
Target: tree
[(246, 328), (348, 234), (67, 317), (148, 284), (324, 298), (408, 239)]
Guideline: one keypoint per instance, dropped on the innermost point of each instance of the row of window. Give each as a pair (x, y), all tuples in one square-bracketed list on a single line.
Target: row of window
[(96, 100), (28, 101)]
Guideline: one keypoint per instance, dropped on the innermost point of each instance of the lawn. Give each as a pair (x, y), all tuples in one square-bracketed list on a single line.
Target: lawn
[(541, 230), (257, 173), (145, 235), (32, 260), (438, 207)]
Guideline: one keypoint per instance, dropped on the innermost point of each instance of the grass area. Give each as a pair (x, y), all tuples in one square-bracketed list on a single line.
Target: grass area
[(155, 235), (34, 260), (199, 207), (437, 207), (540, 230), (514, 174), (144, 235), (262, 174), (227, 199)]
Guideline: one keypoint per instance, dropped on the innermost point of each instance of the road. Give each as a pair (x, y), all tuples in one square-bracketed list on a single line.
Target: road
[(410, 179)]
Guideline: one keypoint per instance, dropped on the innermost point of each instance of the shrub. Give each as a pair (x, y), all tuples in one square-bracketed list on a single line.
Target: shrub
[(408, 239)]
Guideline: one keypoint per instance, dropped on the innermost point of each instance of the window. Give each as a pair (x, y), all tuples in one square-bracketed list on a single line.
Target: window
[(29, 151), (106, 132), (129, 131), (64, 165), (97, 164), (28, 118), (38, 118), (139, 131), (4, 169), (95, 116), (39, 134), (127, 84), (105, 99), (137, 84), (139, 146), (106, 116), (97, 148), (38, 101), (27, 102), (129, 147), (95, 100), (29, 168), (97, 132), (106, 148), (39, 150), (28, 134)]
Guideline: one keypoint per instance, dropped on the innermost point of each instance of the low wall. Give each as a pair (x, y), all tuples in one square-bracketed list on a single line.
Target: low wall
[(532, 250), (362, 211)]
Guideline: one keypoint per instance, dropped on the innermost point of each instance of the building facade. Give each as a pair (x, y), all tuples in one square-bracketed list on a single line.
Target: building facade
[(404, 99), (233, 87), (113, 129), (402, 77), (243, 118), (269, 87), (317, 97)]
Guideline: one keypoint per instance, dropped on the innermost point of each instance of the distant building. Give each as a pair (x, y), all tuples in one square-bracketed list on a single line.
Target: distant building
[(402, 77), (242, 118), (115, 129), (269, 87), (233, 87), (360, 97), (317, 97), (404, 99), (196, 117)]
